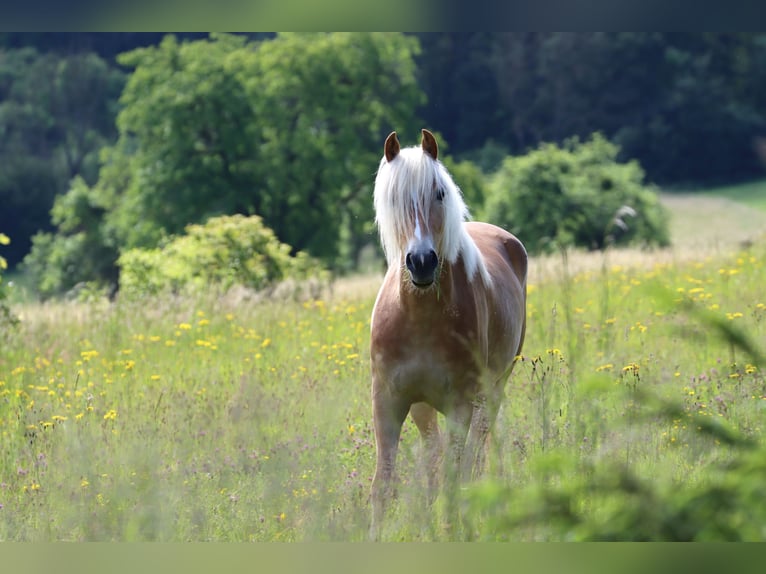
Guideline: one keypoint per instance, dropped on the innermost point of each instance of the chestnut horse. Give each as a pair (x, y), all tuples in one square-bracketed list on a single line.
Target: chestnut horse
[(448, 321)]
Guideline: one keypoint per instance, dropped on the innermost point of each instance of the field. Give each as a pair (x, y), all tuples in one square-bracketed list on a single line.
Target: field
[(242, 419)]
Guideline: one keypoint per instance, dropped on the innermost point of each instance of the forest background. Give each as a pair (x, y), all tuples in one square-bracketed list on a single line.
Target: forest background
[(118, 141)]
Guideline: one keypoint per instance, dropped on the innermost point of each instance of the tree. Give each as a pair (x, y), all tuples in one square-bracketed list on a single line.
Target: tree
[(709, 114), (577, 195), (456, 71), (79, 252), (185, 140), (288, 129), (688, 106), (55, 114), (326, 102)]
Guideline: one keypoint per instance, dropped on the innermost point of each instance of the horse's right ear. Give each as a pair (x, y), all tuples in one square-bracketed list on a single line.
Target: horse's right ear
[(391, 146)]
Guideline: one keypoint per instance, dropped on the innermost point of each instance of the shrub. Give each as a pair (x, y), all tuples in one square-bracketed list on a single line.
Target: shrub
[(472, 182), (577, 195), (81, 252), (224, 252)]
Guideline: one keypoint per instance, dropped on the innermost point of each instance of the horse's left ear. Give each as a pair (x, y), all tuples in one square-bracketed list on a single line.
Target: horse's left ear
[(428, 143)]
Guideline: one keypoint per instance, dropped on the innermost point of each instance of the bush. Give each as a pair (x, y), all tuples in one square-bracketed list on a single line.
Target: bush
[(576, 195), (472, 182), (226, 251), (80, 252)]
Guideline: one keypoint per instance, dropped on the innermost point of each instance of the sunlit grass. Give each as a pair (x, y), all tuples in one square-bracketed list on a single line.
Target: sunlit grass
[(250, 421), (243, 419)]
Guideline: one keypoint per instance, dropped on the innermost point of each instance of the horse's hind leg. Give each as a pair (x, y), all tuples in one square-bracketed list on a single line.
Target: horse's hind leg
[(426, 419), (388, 416)]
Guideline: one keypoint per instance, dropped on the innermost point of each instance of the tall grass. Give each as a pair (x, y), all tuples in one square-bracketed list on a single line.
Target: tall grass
[(245, 420)]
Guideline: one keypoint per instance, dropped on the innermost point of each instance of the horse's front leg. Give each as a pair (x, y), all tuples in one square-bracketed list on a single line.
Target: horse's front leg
[(388, 414)]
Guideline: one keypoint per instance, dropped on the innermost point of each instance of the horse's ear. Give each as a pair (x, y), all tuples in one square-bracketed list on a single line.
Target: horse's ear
[(428, 143), (391, 146)]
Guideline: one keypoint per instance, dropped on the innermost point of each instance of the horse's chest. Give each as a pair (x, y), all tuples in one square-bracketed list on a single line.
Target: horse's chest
[(426, 376), (428, 362)]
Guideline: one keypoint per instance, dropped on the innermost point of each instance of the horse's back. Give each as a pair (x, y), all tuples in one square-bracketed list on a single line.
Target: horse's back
[(494, 241)]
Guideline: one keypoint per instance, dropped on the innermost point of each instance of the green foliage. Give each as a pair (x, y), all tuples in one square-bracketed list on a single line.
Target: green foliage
[(470, 179), (186, 140), (287, 129), (250, 125), (489, 156), (727, 508), (325, 102), (575, 195), (226, 251), (687, 106), (80, 252), (56, 112)]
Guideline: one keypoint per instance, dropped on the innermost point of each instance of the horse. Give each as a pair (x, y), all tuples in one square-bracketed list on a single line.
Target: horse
[(448, 322)]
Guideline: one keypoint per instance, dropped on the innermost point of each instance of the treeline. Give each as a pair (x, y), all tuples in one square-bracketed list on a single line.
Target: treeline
[(134, 136), (690, 107)]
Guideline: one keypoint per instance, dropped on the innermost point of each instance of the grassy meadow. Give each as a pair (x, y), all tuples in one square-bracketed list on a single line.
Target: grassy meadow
[(242, 419)]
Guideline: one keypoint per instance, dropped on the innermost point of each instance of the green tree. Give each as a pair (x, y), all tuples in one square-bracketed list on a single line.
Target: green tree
[(471, 181), (325, 102), (457, 71), (185, 138), (575, 195), (688, 106), (55, 114), (287, 129), (709, 113), (79, 252)]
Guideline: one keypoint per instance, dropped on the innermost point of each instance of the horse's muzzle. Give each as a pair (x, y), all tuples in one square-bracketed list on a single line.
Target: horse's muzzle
[(422, 267)]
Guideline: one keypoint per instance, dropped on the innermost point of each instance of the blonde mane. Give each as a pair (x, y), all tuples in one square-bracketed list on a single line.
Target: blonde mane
[(408, 183)]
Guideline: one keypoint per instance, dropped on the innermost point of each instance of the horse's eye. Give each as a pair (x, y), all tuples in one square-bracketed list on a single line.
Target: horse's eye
[(439, 194)]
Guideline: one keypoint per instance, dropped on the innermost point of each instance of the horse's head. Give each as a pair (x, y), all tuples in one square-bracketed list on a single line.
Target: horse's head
[(418, 208)]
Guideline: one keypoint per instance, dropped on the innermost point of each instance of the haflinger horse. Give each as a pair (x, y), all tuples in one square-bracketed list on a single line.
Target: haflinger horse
[(448, 321)]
